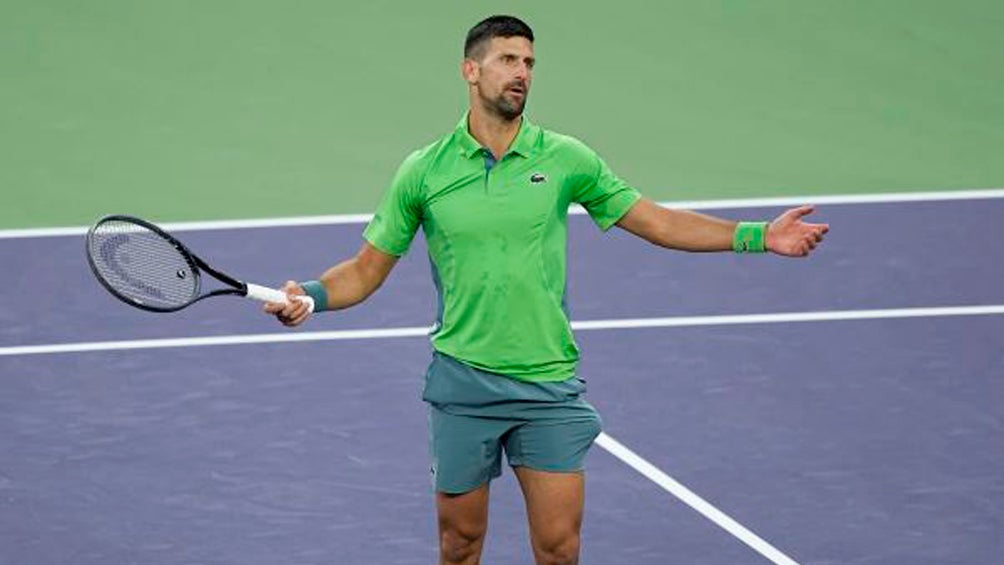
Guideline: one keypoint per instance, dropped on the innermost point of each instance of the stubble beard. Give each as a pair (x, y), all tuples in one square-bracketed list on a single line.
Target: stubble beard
[(504, 108)]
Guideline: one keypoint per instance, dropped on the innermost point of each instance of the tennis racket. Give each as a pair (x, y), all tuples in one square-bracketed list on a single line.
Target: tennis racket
[(146, 267)]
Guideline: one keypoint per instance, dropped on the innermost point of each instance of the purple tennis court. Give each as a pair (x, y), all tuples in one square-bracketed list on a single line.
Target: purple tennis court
[(842, 409)]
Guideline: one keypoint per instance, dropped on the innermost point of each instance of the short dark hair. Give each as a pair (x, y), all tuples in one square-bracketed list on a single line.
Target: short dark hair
[(494, 26)]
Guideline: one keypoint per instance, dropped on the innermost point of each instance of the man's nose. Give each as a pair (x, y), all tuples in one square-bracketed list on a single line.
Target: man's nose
[(523, 72)]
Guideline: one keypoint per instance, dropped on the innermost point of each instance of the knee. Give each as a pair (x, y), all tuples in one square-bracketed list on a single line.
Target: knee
[(563, 550), (459, 546)]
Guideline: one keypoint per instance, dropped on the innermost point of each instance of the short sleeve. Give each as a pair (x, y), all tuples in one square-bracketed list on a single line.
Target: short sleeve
[(400, 211), (603, 194)]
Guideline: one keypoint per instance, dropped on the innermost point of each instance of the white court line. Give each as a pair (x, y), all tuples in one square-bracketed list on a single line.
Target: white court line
[(583, 325), (934, 196), (821, 316), (688, 497), (244, 339)]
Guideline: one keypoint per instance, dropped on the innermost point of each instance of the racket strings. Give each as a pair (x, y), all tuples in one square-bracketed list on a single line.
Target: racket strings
[(142, 265)]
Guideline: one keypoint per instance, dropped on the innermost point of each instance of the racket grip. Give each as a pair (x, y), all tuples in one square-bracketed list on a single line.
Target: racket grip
[(266, 294)]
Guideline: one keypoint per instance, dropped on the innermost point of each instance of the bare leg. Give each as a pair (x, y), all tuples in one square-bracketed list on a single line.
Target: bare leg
[(463, 521), (554, 503)]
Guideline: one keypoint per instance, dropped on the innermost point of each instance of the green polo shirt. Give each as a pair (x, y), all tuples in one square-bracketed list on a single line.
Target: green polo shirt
[(497, 234)]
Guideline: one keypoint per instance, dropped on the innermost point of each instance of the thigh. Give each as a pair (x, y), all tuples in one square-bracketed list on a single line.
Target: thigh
[(467, 512), (554, 505), (463, 522)]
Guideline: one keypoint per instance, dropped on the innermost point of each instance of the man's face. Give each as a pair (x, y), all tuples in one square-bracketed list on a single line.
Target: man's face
[(502, 76)]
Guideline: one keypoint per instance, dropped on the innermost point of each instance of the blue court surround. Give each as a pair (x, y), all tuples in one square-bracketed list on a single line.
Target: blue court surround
[(863, 442)]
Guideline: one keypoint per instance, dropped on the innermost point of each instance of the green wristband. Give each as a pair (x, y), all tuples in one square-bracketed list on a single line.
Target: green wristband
[(750, 237), (316, 290)]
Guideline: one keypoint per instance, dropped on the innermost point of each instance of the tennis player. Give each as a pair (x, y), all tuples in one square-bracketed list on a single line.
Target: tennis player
[(492, 197)]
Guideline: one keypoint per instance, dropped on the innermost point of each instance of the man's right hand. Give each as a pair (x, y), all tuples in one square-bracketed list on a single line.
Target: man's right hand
[(294, 313)]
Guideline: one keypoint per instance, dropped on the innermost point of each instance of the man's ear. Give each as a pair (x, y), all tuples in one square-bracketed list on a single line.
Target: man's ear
[(470, 70)]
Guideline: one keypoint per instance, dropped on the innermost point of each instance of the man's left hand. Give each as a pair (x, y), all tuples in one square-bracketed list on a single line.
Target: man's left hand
[(788, 235)]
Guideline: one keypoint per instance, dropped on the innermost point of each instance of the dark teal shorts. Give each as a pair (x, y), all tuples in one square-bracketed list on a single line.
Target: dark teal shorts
[(474, 416)]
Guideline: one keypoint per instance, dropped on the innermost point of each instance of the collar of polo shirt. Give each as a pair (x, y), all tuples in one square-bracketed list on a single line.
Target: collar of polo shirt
[(522, 145)]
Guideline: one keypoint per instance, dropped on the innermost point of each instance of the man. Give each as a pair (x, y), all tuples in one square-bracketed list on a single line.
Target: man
[(492, 198)]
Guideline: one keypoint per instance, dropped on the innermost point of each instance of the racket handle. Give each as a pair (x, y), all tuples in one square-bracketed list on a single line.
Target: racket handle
[(266, 294)]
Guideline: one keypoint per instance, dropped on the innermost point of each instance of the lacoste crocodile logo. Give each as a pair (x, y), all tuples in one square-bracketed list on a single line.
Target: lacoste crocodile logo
[(537, 178)]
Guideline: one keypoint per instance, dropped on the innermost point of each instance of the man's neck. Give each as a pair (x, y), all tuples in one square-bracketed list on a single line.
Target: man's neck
[(492, 131)]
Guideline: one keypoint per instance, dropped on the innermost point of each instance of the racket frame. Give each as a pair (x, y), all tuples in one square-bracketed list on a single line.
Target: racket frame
[(195, 264)]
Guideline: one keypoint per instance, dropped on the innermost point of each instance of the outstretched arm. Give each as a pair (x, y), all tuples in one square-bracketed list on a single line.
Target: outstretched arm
[(346, 284), (787, 235)]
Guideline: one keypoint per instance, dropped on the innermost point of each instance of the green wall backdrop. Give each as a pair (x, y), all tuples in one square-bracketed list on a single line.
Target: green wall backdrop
[(190, 110)]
